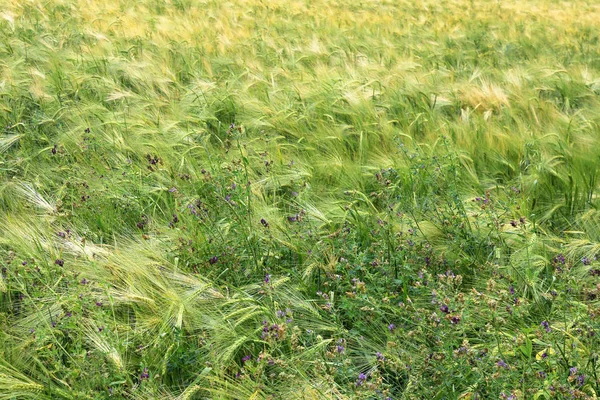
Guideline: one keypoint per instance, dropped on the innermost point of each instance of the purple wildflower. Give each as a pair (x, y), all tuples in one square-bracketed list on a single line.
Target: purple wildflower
[(84, 281), (361, 379), (213, 260), (444, 309), (502, 364), (59, 262), (379, 356), (572, 371), (264, 222), (511, 289), (546, 326), (280, 314), (98, 304), (340, 349), (246, 358), (586, 261), (145, 374), (581, 380), (267, 278), (391, 327)]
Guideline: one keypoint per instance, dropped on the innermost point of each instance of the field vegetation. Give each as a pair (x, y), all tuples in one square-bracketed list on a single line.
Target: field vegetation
[(246, 199)]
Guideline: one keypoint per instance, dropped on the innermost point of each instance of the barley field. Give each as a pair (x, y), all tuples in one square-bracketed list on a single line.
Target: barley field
[(299, 199)]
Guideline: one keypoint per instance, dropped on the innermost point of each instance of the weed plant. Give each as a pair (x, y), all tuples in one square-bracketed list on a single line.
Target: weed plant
[(299, 199)]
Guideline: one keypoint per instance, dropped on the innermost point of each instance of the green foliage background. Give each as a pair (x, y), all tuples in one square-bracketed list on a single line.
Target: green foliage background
[(299, 199)]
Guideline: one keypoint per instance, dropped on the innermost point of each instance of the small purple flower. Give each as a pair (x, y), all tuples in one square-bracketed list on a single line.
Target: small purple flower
[(455, 320), (391, 327), (213, 260), (572, 371), (280, 314), (98, 304), (546, 326), (145, 374), (502, 364), (559, 259), (581, 380), (267, 278), (293, 218), (511, 289), (340, 349), (542, 375), (444, 309), (84, 281), (246, 358), (264, 222), (586, 261), (68, 314), (173, 190), (379, 356), (361, 379), (59, 262)]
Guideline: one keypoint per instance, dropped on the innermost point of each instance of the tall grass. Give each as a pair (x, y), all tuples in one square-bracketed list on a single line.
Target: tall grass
[(326, 199)]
